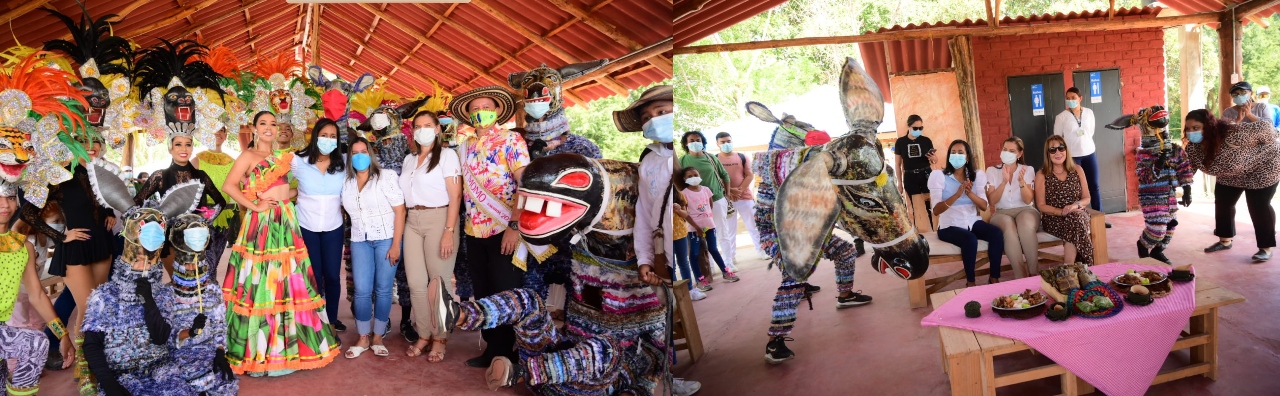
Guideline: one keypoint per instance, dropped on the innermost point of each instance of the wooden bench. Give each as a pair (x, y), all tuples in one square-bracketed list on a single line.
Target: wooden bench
[(918, 290), (968, 356), (684, 331)]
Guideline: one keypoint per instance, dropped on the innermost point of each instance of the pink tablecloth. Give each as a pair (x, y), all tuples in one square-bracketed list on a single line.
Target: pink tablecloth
[(1119, 355)]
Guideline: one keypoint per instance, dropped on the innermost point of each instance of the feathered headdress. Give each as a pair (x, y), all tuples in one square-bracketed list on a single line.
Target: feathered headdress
[(335, 99), (236, 112), (105, 62), (39, 113), (179, 86), (281, 90)]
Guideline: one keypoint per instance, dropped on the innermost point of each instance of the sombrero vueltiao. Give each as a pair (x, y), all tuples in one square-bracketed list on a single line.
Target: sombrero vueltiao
[(628, 119), (505, 100)]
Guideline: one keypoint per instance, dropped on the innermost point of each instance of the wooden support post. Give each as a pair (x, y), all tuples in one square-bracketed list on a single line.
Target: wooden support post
[(1111, 10), (962, 57), (1232, 59), (314, 41), (128, 150), (1191, 81), (991, 17)]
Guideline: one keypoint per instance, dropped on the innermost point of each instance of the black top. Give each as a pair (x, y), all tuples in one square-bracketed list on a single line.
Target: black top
[(162, 180), (913, 152), (79, 207)]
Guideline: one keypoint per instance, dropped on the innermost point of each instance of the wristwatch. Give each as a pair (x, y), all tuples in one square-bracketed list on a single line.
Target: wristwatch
[(513, 224)]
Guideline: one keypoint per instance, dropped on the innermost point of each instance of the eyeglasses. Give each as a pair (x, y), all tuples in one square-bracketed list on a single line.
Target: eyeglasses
[(1055, 149), (1264, 95)]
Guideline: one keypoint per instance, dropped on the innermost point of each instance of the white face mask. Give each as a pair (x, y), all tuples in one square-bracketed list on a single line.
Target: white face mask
[(1008, 158), (693, 181), (424, 136), (379, 121)]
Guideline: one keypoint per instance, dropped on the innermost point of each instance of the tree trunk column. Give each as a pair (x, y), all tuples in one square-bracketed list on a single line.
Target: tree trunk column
[(962, 58), (1232, 60)]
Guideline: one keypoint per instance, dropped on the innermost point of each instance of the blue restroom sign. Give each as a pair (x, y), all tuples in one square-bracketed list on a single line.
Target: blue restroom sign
[(1095, 87), (1037, 99)]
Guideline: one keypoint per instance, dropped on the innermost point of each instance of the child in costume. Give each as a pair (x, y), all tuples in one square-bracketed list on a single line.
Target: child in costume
[(201, 360), (1162, 166)]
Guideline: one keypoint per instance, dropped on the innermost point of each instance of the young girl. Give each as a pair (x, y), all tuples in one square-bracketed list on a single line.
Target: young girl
[(680, 228), (699, 210)]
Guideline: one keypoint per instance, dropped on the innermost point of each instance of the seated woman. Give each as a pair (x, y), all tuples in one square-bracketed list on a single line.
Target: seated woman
[(1062, 196), (1010, 189), (959, 191)]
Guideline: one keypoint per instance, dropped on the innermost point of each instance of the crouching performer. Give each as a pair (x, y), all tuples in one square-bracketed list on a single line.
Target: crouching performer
[(200, 360)]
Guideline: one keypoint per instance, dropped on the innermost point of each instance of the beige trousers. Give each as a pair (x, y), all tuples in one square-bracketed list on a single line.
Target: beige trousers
[(422, 261), (1019, 226)]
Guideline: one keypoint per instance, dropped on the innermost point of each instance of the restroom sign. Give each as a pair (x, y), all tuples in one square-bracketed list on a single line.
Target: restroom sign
[(1095, 87), (1037, 99)]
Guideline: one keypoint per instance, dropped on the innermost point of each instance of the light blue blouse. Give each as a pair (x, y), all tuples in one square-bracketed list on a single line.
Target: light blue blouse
[(319, 196)]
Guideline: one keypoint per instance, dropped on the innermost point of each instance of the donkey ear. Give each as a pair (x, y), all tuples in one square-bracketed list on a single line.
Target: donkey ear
[(513, 79), (316, 74), (108, 188), (759, 110), (1123, 122), (363, 82), (182, 198), (806, 209), (409, 109)]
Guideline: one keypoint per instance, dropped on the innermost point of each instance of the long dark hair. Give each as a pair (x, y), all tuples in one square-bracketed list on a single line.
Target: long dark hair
[(374, 168), (312, 151), (679, 178), (254, 125), (969, 173), (1215, 133), (435, 146)]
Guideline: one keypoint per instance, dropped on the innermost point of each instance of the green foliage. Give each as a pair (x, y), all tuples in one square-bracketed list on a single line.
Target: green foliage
[(596, 124)]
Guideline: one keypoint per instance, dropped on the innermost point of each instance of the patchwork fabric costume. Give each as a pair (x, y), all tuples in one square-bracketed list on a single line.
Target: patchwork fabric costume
[(200, 360), (26, 348), (1162, 167), (615, 338), (128, 321)]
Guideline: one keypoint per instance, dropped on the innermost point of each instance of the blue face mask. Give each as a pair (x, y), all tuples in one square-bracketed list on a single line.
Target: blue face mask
[(537, 109), (197, 238), (661, 128), (696, 147), (326, 145), (917, 132), (361, 161), (445, 120), (957, 160), (151, 236), (1071, 104), (1240, 99), (1195, 137), (727, 147)]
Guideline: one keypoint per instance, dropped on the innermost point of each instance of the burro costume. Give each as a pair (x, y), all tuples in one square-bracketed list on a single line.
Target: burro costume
[(1162, 167), (201, 360), (540, 89)]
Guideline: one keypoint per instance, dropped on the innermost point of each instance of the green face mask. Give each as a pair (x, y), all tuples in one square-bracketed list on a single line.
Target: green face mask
[(793, 130), (484, 118)]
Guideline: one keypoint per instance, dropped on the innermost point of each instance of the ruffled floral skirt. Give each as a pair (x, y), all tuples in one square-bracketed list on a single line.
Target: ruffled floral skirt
[(276, 320)]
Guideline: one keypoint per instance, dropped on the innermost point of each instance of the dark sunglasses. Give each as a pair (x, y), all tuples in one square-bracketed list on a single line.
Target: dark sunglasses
[(1055, 149)]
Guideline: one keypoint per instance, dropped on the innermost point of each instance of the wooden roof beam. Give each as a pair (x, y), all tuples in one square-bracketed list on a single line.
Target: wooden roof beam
[(991, 20), (447, 52), (656, 49), (604, 27), (174, 16), (211, 22), (999, 12), (314, 42), (348, 36), (257, 23), (269, 33), (1254, 6), (941, 32), (22, 10)]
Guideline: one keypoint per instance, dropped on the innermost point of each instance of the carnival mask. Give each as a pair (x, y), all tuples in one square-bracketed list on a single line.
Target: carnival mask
[(560, 194), (334, 103), (180, 110), (281, 101), (99, 99), (542, 86), (15, 151)]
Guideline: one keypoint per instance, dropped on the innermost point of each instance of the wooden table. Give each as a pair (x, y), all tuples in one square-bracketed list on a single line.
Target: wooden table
[(968, 356)]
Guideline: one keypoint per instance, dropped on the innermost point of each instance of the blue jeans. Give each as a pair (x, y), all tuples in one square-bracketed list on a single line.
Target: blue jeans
[(695, 245), (967, 240), (1089, 164), (681, 246), (374, 275), (325, 251)]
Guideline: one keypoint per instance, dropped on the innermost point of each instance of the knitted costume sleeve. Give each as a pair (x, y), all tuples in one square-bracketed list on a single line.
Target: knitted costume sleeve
[(1186, 171)]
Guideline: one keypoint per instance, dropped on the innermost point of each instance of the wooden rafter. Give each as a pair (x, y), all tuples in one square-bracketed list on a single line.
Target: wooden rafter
[(1111, 10), (259, 22), (22, 10), (377, 54), (314, 42), (1253, 7), (304, 14), (991, 16), (571, 21), (656, 49), (999, 13), (282, 27), (1251, 18), (447, 52), (174, 16), (369, 32), (604, 27), (223, 17), (124, 12)]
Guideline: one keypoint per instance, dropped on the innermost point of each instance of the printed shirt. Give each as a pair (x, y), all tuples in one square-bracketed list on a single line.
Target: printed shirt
[(914, 152), (964, 212), (699, 207), (1249, 158), (492, 160)]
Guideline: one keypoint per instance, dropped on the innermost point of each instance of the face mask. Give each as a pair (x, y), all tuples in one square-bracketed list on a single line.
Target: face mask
[(696, 147), (916, 132), (361, 161), (1240, 99), (1195, 137), (326, 145), (1071, 104), (693, 181), (424, 136), (151, 236), (1008, 158), (661, 128), (537, 109), (957, 160), (58, 227), (484, 118), (445, 120), (727, 147), (197, 238), (379, 121), (127, 175)]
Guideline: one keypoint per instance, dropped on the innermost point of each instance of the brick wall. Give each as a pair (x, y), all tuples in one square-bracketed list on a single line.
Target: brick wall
[(1138, 53)]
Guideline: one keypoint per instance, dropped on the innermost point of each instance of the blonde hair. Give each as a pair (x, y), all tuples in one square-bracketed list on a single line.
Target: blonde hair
[(1069, 165)]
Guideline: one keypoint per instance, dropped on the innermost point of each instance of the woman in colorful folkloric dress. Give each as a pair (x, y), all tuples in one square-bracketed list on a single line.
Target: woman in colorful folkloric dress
[(217, 165), (276, 321)]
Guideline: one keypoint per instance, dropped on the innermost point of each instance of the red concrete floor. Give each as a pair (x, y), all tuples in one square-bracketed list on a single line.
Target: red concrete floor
[(881, 349)]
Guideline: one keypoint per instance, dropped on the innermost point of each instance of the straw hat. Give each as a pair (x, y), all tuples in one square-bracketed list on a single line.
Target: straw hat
[(505, 100), (628, 119)]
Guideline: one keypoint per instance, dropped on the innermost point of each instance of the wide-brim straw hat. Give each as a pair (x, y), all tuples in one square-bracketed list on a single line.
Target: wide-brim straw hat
[(628, 119), (505, 100)]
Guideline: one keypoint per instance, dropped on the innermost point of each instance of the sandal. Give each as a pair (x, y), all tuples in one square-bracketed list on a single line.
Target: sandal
[(415, 350), (434, 356), (356, 350), (380, 350)]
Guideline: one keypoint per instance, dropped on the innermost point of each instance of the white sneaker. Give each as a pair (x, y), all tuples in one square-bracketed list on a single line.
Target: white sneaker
[(762, 255), (697, 294), (680, 387)]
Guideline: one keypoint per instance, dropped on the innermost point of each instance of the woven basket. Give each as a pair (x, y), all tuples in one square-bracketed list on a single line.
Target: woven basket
[(1096, 288)]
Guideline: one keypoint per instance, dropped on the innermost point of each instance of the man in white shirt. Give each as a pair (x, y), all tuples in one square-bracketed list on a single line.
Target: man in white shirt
[(1076, 126)]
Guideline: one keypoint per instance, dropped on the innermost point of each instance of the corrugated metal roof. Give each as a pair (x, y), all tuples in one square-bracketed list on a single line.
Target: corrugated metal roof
[(1198, 6), (717, 15), (476, 34)]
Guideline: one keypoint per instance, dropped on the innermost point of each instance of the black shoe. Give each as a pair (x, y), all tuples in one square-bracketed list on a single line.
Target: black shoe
[(406, 329), (482, 361), (1158, 254), (777, 351), (338, 326), (1108, 224), (1142, 250), (1217, 247), (855, 299), (503, 373), (54, 362), (445, 310), (1261, 255), (811, 289), (860, 247)]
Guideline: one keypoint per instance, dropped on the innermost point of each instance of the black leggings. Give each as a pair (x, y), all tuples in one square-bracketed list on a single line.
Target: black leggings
[(1260, 211)]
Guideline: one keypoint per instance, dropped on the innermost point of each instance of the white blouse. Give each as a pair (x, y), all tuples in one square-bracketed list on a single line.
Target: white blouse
[(1012, 197), (422, 188), (371, 209)]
